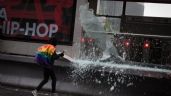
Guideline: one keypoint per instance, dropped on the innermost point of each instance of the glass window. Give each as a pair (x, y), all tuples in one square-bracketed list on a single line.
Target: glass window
[(148, 9), (157, 10), (134, 8), (110, 8)]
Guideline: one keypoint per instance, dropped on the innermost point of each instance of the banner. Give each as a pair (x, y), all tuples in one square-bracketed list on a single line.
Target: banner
[(37, 20)]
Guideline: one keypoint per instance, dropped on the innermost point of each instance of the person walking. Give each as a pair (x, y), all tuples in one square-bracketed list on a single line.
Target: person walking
[(45, 57)]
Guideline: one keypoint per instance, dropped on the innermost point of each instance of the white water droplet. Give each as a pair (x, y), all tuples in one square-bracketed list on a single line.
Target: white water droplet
[(112, 88), (129, 84), (100, 92)]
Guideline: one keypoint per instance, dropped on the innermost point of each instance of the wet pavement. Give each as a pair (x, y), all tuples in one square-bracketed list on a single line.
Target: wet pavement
[(23, 77), (14, 91)]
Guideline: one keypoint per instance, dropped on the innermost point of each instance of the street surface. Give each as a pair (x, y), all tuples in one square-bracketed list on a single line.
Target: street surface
[(14, 91), (25, 76)]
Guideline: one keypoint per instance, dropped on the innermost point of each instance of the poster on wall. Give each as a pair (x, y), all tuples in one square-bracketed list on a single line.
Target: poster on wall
[(37, 20)]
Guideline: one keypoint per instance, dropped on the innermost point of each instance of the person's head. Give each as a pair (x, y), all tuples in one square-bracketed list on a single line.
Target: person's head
[(54, 40)]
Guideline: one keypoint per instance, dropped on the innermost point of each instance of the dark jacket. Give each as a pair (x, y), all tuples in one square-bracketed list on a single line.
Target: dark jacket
[(55, 57)]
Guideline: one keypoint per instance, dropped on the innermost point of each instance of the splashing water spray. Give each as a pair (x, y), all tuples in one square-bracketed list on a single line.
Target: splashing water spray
[(110, 68)]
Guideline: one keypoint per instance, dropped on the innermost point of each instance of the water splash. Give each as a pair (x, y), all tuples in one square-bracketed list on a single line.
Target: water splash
[(114, 71), (84, 65), (96, 71), (94, 27)]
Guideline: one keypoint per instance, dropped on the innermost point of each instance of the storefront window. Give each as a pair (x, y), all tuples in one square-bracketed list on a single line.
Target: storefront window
[(110, 8)]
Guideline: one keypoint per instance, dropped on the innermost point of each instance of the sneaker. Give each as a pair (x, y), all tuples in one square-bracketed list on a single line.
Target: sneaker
[(34, 92)]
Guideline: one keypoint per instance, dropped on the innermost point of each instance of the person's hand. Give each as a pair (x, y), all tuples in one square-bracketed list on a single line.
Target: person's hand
[(62, 54)]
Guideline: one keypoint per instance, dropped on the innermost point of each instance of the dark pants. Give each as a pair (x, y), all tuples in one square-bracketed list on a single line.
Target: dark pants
[(48, 73)]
